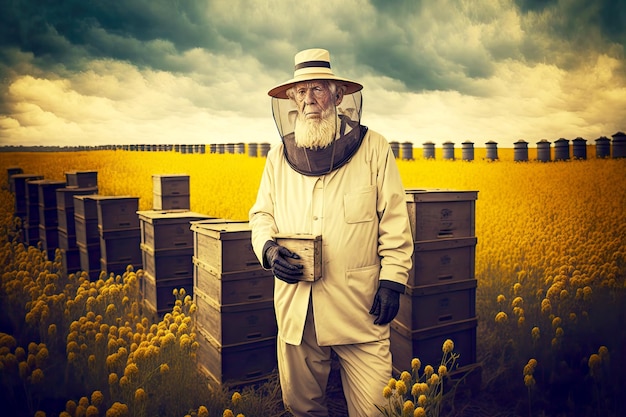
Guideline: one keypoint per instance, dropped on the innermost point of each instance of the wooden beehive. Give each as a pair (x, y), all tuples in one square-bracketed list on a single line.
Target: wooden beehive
[(242, 363), (86, 206), (432, 305), (170, 184), (224, 247), (65, 195), (168, 229), (119, 246), (70, 260), (441, 214), (81, 179), (117, 268), (18, 185), (117, 212), (90, 259), (86, 231), (170, 192), (426, 344), (47, 192), (158, 293), (233, 287), (443, 261), (167, 263), (309, 249), (10, 172), (235, 323)]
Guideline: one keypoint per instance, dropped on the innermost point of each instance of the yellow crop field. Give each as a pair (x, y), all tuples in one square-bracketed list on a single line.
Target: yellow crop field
[(550, 301)]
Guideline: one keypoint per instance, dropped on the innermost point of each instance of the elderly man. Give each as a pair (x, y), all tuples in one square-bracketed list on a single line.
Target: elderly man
[(333, 177)]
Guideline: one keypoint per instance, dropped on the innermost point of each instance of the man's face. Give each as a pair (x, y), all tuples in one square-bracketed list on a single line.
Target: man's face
[(314, 99)]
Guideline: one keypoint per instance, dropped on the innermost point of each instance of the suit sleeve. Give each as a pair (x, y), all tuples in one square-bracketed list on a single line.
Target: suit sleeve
[(395, 242), (261, 214)]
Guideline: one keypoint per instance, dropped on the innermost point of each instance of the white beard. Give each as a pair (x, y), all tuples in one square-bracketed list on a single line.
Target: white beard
[(315, 133)]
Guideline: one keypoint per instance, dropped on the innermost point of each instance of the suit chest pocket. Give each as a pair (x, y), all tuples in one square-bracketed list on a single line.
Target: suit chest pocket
[(360, 205)]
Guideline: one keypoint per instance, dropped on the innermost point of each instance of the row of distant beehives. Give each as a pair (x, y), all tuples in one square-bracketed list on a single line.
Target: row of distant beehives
[(213, 260)]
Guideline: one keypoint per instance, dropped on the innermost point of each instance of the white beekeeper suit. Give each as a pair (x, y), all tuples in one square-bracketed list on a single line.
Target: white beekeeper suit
[(351, 194)]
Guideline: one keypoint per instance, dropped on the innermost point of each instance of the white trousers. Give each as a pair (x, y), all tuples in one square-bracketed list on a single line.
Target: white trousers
[(304, 371)]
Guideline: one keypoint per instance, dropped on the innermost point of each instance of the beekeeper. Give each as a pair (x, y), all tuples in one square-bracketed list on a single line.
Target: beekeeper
[(333, 177)]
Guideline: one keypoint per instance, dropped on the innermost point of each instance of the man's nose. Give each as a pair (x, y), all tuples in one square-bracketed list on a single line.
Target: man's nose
[(309, 97)]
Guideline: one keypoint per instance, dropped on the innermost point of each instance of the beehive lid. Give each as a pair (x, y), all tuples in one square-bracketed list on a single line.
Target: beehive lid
[(104, 199), (172, 176), (438, 194), (222, 231), (166, 217)]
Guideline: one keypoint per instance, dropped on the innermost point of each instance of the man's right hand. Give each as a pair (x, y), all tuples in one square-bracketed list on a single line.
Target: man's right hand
[(275, 256)]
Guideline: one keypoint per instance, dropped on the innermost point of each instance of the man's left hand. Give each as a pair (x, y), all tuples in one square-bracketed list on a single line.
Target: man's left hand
[(386, 305)]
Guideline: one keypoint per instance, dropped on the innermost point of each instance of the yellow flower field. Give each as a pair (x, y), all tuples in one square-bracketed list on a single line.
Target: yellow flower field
[(551, 296)]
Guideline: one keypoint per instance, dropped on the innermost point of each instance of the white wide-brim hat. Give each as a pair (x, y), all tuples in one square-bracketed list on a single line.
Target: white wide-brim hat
[(313, 64)]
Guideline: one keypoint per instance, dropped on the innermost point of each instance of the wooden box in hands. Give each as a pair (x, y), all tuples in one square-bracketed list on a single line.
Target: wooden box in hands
[(309, 249)]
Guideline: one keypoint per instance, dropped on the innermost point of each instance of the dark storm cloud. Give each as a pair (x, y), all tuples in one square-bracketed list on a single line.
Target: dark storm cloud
[(109, 29), (581, 25), (411, 41)]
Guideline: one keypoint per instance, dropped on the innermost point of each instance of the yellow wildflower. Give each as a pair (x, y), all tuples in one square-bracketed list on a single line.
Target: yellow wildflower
[(535, 333), (392, 383), (401, 387), (416, 364), (387, 391), (603, 352), (131, 370), (419, 412), (406, 377), (443, 370), (422, 400), (97, 398), (408, 408), (228, 413), (529, 380), (203, 411), (70, 407), (140, 395), (501, 298), (236, 398), (501, 317), (92, 411), (37, 376), (448, 346), (429, 370), (415, 389), (164, 368), (434, 379), (84, 401)]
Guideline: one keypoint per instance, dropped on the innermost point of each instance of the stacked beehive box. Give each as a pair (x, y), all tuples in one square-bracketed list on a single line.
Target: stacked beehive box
[(120, 234), (167, 252), (77, 183), (48, 217), (87, 233), (10, 172), (440, 299), (170, 192), (25, 189), (234, 296)]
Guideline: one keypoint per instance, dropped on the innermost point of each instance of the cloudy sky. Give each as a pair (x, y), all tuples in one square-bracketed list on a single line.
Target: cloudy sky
[(198, 71)]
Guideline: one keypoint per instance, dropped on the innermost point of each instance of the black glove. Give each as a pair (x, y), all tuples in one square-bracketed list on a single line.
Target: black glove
[(386, 305), (275, 256)]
